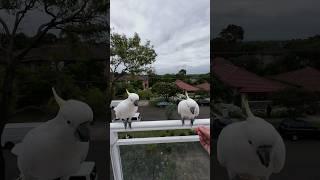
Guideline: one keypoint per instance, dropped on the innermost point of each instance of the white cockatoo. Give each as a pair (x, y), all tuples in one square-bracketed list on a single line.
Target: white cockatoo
[(251, 149), (127, 108), (188, 109), (56, 148)]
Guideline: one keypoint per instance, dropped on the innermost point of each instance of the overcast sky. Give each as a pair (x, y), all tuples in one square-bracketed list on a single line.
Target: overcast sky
[(178, 29), (268, 19)]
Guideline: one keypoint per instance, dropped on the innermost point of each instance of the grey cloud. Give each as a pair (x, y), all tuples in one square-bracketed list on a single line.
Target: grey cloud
[(179, 30)]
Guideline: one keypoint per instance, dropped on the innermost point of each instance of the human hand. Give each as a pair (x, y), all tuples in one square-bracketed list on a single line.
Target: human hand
[(204, 135)]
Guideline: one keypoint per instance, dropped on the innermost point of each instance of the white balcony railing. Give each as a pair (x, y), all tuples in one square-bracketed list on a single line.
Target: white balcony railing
[(115, 128)]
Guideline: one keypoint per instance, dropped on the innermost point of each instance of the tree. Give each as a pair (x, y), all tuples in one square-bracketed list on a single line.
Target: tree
[(84, 14), (129, 56), (165, 89), (232, 33), (182, 72)]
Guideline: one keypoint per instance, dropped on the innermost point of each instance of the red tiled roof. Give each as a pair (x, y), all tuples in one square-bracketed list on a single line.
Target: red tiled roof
[(185, 86), (307, 78), (242, 79), (204, 86)]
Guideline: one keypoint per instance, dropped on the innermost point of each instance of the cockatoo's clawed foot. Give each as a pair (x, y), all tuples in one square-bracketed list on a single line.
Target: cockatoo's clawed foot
[(130, 125), (125, 124), (191, 122)]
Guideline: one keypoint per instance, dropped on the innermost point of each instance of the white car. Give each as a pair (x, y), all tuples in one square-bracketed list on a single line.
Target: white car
[(114, 103), (136, 117), (87, 171), (13, 133)]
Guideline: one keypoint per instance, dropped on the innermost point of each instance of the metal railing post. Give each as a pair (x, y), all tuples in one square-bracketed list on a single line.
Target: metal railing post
[(115, 156)]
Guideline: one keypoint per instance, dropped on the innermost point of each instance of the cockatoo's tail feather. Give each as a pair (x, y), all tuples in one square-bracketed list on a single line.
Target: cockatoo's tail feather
[(58, 99), (245, 104)]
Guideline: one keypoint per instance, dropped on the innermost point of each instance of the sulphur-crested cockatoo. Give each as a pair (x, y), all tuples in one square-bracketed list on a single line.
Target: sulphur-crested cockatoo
[(188, 109), (56, 148), (127, 108), (251, 149)]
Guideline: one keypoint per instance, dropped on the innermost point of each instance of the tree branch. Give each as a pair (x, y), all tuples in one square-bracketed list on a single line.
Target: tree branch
[(44, 28), (5, 26), (20, 15)]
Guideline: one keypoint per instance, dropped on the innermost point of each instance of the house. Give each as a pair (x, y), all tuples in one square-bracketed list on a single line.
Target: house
[(307, 78), (185, 86), (204, 87), (239, 80)]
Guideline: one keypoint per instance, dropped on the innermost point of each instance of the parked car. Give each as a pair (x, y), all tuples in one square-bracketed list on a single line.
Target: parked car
[(13, 133), (136, 117), (295, 129), (218, 124), (114, 103), (164, 104), (203, 102), (87, 171)]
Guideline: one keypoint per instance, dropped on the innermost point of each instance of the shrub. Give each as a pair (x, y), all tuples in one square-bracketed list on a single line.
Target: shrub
[(170, 109), (96, 100), (145, 94)]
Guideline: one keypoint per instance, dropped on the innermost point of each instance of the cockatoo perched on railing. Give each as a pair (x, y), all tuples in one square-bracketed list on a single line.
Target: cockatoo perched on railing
[(251, 149), (188, 109), (127, 108), (56, 148)]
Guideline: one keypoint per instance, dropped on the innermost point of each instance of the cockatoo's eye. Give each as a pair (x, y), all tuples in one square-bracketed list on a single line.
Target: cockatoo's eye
[(250, 142), (68, 122)]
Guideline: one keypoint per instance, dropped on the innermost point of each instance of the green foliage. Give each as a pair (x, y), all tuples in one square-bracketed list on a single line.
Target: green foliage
[(155, 100), (296, 100), (131, 54), (182, 74), (145, 94), (96, 100), (165, 89), (220, 91), (232, 33), (170, 111)]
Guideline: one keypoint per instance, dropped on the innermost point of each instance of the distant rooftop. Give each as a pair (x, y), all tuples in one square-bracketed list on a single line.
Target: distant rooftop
[(307, 78), (243, 80), (185, 86), (204, 86)]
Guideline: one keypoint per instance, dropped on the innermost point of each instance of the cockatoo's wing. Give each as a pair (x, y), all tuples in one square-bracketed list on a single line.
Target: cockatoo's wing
[(197, 110), (279, 155), (179, 107)]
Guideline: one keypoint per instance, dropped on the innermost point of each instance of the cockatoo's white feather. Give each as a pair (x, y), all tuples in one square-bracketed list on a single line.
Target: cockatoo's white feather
[(127, 108), (52, 149), (185, 111), (239, 143)]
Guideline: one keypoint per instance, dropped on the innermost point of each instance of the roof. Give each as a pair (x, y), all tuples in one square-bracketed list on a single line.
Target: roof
[(185, 86), (243, 80), (204, 86), (307, 78)]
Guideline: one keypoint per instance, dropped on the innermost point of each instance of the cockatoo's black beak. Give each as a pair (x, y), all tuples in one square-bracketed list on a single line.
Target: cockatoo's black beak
[(82, 132), (192, 109), (263, 153), (136, 102)]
